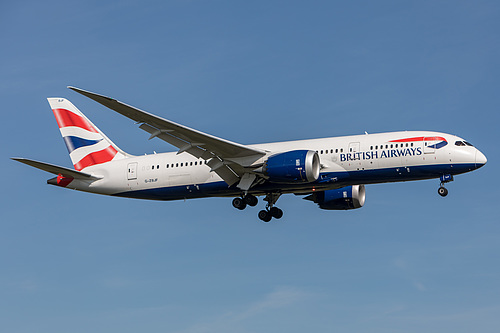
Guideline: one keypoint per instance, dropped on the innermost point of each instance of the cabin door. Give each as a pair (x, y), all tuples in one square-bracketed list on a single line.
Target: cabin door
[(132, 171)]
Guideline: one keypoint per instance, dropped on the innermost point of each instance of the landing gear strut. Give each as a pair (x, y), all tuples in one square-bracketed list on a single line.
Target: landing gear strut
[(267, 214), (442, 191)]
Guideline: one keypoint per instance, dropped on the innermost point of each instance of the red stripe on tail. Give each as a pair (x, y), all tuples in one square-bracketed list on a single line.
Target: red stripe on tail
[(98, 157), (67, 118)]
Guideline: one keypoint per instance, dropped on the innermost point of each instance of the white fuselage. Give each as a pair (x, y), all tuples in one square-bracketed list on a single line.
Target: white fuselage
[(348, 160)]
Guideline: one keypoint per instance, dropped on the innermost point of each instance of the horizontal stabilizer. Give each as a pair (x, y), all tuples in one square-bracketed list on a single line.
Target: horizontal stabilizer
[(56, 170)]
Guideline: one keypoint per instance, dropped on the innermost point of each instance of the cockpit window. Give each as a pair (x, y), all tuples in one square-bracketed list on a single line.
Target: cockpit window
[(463, 143)]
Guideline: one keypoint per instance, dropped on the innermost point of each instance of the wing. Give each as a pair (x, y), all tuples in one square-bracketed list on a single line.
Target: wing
[(228, 159)]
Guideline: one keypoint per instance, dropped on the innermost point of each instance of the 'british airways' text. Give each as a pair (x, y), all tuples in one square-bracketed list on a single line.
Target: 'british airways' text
[(368, 155)]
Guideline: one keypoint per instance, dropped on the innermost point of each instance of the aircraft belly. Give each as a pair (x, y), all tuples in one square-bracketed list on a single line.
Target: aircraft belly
[(335, 180)]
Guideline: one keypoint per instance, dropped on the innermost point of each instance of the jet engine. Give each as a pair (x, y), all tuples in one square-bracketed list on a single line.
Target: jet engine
[(297, 166), (349, 197)]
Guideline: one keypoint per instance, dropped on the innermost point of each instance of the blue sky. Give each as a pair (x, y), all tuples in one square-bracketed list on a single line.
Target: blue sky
[(250, 72)]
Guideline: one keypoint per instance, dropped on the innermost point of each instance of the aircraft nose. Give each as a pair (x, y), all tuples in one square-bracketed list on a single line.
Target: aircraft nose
[(480, 159)]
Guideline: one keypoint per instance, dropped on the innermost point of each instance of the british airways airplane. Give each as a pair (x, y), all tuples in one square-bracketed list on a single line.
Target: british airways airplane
[(331, 172)]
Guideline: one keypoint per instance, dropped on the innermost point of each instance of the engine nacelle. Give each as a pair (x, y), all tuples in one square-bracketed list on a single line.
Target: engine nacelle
[(297, 166), (349, 197)]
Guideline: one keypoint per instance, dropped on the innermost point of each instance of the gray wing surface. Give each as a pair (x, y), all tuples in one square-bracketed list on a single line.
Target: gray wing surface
[(228, 159)]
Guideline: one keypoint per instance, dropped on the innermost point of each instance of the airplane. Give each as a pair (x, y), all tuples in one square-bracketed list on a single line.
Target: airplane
[(331, 172)]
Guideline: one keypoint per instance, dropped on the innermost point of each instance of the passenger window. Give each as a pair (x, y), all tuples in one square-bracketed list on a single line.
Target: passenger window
[(321, 152), (176, 165)]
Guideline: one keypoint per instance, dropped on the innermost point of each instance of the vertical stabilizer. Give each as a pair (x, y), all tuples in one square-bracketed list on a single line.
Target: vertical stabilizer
[(86, 144)]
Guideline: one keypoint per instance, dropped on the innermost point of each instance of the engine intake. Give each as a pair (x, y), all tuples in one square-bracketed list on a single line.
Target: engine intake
[(349, 197), (296, 166)]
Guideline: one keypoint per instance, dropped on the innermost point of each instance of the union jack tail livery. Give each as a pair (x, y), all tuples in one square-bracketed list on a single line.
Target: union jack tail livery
[(86, 144)]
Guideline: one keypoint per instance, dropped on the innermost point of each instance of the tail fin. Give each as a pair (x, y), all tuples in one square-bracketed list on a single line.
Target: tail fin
[(86, 144)]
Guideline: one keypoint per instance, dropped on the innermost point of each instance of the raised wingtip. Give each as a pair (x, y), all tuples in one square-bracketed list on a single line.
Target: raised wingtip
[(75, 88), (89, 94)]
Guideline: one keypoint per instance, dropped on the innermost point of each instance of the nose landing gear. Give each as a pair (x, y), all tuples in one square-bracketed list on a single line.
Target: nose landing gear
[(442, 191)]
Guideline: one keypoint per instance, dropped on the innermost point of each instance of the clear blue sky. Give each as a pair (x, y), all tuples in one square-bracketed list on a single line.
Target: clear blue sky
[(250, 71)]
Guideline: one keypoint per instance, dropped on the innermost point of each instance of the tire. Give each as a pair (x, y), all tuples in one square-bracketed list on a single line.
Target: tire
[(276, 212), (265, 216), (239, 203), (251, 200), (442, 191)]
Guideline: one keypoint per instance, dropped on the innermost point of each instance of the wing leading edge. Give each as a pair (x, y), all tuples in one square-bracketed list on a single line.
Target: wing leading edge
[(228, 159)]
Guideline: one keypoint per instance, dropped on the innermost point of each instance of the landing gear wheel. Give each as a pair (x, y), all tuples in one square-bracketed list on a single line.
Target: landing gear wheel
[(251, 200), (442, 191), (265, 216), (239, 203), (276, 212)]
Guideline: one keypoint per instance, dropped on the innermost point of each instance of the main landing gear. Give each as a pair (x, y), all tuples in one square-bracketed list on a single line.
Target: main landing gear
[(241, 203), (266, 214), (442, 191), (271, 211)]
